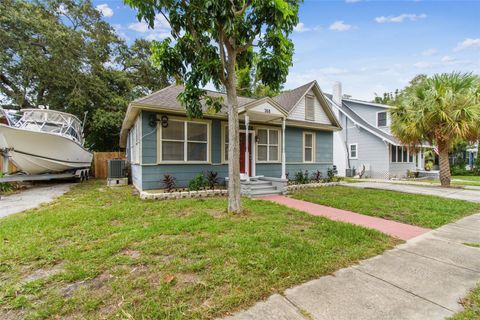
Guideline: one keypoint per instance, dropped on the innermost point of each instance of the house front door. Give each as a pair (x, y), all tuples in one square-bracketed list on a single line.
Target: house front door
[(243, 146)]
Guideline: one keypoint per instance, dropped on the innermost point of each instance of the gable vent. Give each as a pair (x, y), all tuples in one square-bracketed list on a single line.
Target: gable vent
[(309, 108)]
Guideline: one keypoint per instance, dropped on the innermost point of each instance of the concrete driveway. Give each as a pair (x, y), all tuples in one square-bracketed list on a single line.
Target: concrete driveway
[(31, 198), (425, 278), (452, 193)]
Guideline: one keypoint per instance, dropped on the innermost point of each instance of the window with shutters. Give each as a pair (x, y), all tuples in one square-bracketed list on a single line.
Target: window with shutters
[(309, 108)]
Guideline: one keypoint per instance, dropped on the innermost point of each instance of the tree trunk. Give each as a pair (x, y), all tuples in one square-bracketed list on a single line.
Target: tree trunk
[(234, 204), (444, 164)]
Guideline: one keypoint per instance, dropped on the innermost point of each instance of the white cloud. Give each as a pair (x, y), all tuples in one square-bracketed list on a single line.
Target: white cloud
[(423, 65), (467, 44), (105, 10), (139, 26), (300, 27), (429, 52), (400, 18), (340, 26), (160, 31), (448, 59)]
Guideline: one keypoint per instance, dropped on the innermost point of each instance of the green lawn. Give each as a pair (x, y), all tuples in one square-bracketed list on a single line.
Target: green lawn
[(466, 180), (472, 307), (420, 210), (104, 253)]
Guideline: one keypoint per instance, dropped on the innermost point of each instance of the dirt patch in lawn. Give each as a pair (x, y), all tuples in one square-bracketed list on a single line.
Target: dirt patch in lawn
[(43, 273), (95, 283), (134, 254)]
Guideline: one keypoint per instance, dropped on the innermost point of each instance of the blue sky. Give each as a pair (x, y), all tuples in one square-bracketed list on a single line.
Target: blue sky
[(369, 46)]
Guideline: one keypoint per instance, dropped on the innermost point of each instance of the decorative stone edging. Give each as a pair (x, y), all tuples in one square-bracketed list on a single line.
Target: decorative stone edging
[(183, 194), (294, 187)]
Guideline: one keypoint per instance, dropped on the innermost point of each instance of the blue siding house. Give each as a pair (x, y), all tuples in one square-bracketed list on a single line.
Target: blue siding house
[(279, 136)]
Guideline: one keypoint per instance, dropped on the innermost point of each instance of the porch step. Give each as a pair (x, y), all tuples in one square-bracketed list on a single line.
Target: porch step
[(262, 186), (264, 192)]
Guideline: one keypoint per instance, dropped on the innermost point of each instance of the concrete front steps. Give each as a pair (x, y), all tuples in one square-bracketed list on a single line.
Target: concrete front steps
[(263, 186)]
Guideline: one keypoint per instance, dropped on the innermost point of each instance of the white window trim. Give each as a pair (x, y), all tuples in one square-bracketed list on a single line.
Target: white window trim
[(278, 145), (350, 151), (310, 96), (313, 147), (388, 119), (401, 157), (185, 142)]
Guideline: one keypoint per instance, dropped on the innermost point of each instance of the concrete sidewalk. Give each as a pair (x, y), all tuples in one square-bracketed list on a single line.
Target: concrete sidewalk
[(31, 198), (452, 193), (421, 279)]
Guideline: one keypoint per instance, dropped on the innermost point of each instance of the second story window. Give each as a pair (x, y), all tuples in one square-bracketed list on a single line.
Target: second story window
[(382, 119), (309, 108)]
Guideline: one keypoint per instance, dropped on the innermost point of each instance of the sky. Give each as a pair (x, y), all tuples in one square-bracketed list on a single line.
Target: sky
[(371, 47)]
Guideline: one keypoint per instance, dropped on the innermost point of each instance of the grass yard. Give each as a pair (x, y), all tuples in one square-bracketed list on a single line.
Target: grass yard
[(104, 253), (472, 307), (420, 210), (466, 180)]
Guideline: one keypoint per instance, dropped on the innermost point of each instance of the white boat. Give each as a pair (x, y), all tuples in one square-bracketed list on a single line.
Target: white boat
[(44, 141)]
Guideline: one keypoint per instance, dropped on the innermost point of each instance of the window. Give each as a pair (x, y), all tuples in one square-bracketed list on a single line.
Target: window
[(382, 119), (309, 108), (268, 145), (353, 149), (400, 154), (184, 141), (308, 147)]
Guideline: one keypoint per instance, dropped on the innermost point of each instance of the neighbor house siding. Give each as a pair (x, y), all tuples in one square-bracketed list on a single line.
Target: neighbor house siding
[(372, 152), (298, 112)]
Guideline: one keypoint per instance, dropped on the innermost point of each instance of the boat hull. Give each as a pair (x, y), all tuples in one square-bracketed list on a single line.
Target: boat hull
[(36, 152)]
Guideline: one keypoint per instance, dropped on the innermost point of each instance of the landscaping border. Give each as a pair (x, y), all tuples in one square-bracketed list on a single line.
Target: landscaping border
[(182, 194), (295, 187)]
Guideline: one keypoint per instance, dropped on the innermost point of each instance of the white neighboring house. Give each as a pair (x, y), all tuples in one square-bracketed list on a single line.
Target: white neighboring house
[(365, 140)]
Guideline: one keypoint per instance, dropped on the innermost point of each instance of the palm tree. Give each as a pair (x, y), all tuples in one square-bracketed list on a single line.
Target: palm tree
[(442, 109)]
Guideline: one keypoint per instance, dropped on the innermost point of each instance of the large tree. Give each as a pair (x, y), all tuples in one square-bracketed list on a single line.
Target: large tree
[(442, 110), (61, 53), (209, 38)]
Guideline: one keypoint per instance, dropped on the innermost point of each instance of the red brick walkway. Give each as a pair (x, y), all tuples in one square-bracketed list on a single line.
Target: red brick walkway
[(396, 229)]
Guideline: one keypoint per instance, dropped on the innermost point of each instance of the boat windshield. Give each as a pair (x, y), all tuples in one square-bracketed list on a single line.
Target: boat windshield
[(51, 121)]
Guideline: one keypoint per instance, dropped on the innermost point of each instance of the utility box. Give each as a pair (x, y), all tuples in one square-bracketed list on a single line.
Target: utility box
[(117, 172), (350, 172)]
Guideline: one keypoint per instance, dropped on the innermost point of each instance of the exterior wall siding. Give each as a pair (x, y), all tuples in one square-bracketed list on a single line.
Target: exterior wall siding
[(399, 170), (298, 112), (150, 174), (372, 152), (136, 171)]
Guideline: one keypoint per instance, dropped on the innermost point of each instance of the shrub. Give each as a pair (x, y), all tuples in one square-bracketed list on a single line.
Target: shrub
[(301, 177), (330, 175), (197, 183), (317, 176), (212, 179), (5, 186), (169, 182)]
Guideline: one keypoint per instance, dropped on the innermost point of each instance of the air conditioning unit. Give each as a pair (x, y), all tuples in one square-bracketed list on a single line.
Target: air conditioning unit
[(350, 172), (117, 172)]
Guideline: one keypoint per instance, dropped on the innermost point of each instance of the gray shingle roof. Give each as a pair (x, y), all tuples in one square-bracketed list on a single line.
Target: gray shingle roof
[(166, 98), (289, 99)]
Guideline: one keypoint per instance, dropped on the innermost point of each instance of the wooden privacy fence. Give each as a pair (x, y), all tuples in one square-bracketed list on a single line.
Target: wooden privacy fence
[(100, 167)]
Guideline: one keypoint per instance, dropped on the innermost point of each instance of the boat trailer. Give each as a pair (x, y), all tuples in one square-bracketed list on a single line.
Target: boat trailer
[(80, 174)]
